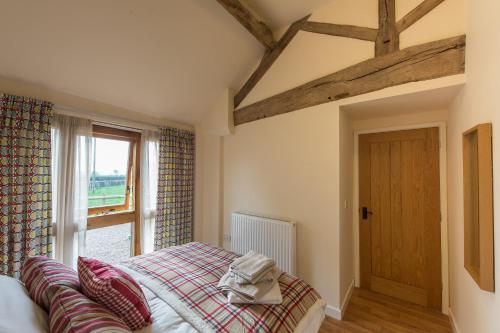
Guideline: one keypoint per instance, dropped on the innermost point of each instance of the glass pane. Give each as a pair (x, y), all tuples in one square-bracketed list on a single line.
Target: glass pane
[(108, 178), (109, 244)]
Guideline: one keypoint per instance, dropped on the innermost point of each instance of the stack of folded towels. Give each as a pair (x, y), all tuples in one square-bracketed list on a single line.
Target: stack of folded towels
[(252, 279)]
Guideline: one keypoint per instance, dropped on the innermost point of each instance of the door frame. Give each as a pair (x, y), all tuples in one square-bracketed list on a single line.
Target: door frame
[(443, 197)]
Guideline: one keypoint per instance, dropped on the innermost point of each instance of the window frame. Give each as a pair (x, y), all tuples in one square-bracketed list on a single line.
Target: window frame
[(133, 138), (105, 218)]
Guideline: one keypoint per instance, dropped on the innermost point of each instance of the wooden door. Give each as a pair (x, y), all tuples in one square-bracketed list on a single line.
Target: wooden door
[(400, 232)]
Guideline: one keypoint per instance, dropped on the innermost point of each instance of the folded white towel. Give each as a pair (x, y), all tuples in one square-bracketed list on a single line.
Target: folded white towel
[(248, 292), (252, 266), (273, 296), (266, 277)]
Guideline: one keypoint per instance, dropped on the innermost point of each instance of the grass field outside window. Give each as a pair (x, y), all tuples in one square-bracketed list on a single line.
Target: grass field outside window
[(106, 196)]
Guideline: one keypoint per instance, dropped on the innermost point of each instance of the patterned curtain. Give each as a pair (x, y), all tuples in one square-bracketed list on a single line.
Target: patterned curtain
[(174, 217), (25, 165)]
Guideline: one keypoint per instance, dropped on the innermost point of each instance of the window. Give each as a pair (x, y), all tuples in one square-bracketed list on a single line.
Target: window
[(110, 179), (113, 221)]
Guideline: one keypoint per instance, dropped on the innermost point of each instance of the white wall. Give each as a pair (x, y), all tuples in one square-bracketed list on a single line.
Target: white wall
[(346, 156), (209, 170), (289, 166), (474, 310), (208, 202), (446, 20), (417, 118)]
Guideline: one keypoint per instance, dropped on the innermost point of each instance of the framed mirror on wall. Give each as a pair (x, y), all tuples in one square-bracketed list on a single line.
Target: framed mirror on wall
[(478, 205)]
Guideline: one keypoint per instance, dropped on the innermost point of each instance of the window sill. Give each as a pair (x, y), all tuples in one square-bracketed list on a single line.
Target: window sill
[(128, 211), (110, 219)]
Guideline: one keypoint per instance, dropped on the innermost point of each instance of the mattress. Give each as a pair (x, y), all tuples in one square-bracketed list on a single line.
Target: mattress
[(26, 316), (181, 285), (193, 271)]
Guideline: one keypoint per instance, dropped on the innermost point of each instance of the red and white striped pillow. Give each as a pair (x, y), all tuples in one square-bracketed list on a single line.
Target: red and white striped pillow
[(41, 274), (116, 290), (73, 312)]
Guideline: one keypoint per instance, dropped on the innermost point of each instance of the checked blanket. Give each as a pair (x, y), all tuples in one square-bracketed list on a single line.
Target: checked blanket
[(191, 273)]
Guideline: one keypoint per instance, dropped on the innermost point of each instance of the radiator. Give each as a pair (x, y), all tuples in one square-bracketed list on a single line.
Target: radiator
[(271, 237)]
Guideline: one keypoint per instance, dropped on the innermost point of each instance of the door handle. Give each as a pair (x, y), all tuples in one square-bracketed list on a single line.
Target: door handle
[(365, 212)]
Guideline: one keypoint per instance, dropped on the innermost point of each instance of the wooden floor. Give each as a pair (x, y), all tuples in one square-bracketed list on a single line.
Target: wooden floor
[(371, 312)]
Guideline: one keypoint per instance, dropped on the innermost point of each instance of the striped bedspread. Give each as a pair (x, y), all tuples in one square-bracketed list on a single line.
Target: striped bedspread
[(189, 274)]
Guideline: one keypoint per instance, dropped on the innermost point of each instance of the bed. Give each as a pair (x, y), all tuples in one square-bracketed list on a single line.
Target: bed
[(180, 286)]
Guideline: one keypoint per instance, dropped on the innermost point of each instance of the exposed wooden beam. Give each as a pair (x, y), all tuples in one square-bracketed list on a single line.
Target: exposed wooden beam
[(416, 14), (388, 38), (417, 63), (268, 60), (341, 30), (255, 26)]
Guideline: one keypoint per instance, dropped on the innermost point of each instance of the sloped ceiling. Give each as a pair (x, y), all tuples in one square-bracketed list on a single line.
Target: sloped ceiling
[(165, 58), (280, 13)]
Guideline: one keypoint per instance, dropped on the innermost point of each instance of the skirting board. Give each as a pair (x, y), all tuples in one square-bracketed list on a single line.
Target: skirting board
[(333, 312), (454, 325), (337, 313)]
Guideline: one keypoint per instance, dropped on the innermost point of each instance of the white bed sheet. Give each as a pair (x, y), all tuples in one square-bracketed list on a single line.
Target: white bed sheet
[(18, 313), (167, 320)]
